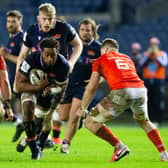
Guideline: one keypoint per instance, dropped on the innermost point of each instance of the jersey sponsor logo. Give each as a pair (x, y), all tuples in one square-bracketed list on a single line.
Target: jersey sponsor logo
[(12, 44), (92, 53), (57, 36), (52, 75), (25, 67)]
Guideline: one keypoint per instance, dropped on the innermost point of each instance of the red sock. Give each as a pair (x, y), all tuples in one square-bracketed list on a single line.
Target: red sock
[(156, 139), (106, 134)]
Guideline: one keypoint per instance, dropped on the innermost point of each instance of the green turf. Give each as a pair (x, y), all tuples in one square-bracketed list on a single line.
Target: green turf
[(87, 151)]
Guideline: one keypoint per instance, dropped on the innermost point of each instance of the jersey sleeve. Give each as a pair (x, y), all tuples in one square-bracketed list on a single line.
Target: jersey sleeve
[(26, 66), (96, 66), (2, 63), (26, 39), (63, 76), (71, 32)]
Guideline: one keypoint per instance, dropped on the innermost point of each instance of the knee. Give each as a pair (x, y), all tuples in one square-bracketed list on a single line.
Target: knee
[(92, 125)]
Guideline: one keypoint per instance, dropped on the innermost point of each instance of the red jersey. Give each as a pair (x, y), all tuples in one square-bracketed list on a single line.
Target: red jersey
[(119, 71), (2, 63)]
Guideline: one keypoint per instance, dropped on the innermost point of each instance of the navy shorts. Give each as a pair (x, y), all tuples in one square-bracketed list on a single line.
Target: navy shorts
[(73, 91), (77, 90)]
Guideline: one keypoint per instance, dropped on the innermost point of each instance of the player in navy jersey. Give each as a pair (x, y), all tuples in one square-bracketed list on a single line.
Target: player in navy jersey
[(10, 52), (57, 68), (79, 79), (48, 26)]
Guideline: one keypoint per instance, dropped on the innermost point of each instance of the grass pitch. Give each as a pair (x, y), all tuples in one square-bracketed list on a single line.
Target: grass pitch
[(87, 151)]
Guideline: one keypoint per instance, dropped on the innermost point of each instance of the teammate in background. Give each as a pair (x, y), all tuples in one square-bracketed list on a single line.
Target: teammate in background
[(5, 107), (136, 56), (78, 80), (127, 91), (48, 26), (57, 68), (10, 52), (153, 65)]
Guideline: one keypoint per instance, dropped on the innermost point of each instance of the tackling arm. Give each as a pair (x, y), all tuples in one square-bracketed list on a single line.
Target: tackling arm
[(89, 93)]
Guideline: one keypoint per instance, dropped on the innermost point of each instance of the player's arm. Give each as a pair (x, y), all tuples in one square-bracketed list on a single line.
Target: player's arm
[(4, 53), (4, 85), (6, 94), (77, 50), (23, 83), (22, 55), (89, 93)]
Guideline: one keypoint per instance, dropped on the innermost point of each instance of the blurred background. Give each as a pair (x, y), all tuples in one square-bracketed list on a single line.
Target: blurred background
[(128, 21)]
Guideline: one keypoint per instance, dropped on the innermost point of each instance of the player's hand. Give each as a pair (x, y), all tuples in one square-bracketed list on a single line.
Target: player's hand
[(43, 83), (81, 113), (3, 51), (46, 91), (9, 114)]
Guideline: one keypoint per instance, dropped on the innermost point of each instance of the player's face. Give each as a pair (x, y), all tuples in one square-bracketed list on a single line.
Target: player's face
[(46, 21), (13, 24), (85, 32), (103, 50), (49, 56)]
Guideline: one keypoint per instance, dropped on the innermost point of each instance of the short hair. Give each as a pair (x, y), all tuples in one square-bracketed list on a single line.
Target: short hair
[(111, 42), (49, 42), (47, 8), (95, 27), (15, 13)]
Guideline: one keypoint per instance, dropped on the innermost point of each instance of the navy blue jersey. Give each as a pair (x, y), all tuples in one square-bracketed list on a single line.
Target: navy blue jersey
[(13, 47), (58, 73), (83, 67), (62, 31)]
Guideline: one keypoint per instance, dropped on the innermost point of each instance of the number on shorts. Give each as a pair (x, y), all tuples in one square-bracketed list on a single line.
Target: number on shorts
[(121, 64)]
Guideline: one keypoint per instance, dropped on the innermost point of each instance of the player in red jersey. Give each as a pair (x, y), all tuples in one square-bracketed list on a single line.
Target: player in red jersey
[(127, 91), (5, 107)]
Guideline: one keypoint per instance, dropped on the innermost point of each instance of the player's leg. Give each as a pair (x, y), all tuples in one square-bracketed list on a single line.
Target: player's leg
[(72, 125), (47, 125), (139, 108), (57, 124), (19, 123), (106, 111), (28, 105)]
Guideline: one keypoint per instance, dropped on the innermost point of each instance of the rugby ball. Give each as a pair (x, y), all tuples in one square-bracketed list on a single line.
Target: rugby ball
[(35, 75)]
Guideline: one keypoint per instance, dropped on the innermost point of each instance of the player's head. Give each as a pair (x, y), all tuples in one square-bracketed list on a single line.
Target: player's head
[(108, 45), (49, 51), (88, 30), (13, 21), (47, 16)]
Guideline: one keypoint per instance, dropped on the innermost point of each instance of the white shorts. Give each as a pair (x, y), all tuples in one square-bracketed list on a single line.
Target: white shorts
[(120, 100)]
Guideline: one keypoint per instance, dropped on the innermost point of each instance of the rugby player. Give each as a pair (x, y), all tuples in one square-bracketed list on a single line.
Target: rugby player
[(127, 91), (48, 26), (56, 67)]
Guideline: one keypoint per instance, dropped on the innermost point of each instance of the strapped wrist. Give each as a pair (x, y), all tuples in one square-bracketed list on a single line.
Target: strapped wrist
[(6, 104)]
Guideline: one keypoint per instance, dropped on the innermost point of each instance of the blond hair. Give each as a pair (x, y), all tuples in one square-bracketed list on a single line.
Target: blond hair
[(47, 8), (15, 13)]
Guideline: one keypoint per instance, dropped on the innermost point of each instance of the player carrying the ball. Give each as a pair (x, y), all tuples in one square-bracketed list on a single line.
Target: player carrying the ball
[(57, 68)]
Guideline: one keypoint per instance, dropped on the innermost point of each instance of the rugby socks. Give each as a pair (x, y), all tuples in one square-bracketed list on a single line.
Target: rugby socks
[(156, 139), (56, 131), (31, 135), (43, 137), (106, 134)]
